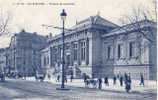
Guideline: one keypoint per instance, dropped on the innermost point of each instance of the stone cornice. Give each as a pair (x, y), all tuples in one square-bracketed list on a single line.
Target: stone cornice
[(131, 28)]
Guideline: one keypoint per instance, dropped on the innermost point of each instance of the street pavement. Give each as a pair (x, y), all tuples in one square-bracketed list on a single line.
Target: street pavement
[(18, 89), (149, 85)]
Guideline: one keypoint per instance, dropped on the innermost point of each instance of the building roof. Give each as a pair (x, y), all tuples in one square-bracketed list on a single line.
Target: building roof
[(87, 23), (37, 40), (131, 27), (95, 20)]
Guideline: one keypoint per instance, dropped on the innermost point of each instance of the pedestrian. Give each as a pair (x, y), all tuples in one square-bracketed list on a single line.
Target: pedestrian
[(84, 77), (128, 84), (58, 78), (125, 76), (118, 76), (71, 77), (141, 79), (114, 80), (49, 76), (121, 80), (100, 83), (106, 81), (65, 79), (129, 77), (2, 77)]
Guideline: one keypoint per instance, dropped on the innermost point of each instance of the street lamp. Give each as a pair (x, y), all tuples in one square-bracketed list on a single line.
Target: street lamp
[(63, 18)]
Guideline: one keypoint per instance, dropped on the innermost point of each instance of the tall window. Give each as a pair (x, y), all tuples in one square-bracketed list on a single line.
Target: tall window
[(45, 61), (109, 52), (60, 51), (55, 54), (83, 50), (120, 51), (132, 49), (75, 52)]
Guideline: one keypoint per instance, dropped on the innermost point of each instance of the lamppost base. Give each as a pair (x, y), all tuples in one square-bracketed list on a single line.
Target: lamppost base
[(64, 89)]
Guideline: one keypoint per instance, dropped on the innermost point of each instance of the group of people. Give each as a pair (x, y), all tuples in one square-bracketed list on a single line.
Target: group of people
[(65, 78), (114, 80), (123, 80)]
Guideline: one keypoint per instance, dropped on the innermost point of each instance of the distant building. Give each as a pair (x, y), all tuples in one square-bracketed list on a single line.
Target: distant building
[(101, 48), (24, 53)]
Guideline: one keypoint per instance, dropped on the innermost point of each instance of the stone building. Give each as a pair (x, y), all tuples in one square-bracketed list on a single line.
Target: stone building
[(101, 48), (126, 50), (24, 52)]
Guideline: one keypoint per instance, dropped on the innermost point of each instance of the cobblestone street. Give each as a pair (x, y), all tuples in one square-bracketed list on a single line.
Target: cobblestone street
[(32, 90)]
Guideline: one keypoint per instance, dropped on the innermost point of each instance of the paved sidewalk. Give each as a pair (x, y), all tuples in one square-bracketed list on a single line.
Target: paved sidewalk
[(149, 85)]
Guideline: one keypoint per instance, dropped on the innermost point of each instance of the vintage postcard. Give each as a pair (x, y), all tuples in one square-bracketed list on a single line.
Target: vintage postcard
[(78, 50)]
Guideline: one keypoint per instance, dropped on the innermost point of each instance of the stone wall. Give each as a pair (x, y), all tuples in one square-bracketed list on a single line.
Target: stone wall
[(133, 70), (143, 61)]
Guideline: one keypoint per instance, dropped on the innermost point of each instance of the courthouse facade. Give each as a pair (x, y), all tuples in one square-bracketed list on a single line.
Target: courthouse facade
[(101, 48)]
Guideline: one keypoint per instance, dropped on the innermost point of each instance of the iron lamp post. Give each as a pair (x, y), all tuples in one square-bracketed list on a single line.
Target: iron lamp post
[(63, 18)]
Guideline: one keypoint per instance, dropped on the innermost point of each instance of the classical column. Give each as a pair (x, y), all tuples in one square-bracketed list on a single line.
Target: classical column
[(90, 51), (51, 56), (87, 51), (79, 53), (71, 54)]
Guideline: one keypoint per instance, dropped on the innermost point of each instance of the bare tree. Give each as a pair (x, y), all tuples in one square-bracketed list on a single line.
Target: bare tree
[(140, 21), (154, 10), (138, 18), (4, 22)]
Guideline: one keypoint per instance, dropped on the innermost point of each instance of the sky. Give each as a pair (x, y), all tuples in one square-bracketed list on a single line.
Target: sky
[(31, 17)]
